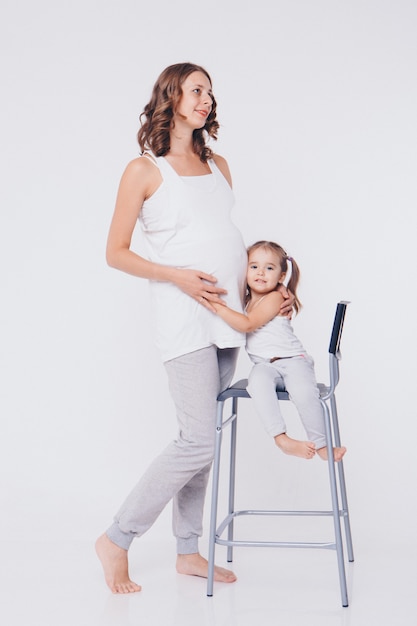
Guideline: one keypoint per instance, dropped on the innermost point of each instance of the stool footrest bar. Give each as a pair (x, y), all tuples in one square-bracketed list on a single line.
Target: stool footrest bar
[(229, 518), (276, 544), (282, 512)]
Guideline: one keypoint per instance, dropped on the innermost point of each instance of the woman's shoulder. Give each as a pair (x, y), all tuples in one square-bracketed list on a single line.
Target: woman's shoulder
[(223, 167), (142, 172), (142, 164)]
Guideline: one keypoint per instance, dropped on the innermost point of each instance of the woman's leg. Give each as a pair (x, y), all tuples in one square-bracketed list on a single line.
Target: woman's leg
[(194, 384), (195, 381), (196, 408), (188, 503)]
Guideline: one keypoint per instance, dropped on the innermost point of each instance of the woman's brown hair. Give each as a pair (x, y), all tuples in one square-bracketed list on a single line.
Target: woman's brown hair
[(283, 261), (157, 116)]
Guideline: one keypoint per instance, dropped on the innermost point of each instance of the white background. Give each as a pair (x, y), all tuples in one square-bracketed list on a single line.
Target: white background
[(317, 102)]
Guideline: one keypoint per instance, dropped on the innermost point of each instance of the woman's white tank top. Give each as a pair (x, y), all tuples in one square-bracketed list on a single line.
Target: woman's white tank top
[(187, 224)]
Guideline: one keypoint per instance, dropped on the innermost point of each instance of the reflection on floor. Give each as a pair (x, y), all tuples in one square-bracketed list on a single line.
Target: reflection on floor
[(52, 584)]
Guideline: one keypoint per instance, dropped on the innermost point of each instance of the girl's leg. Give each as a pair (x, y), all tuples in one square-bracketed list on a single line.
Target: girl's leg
[(301, 384), (262, 382), (300, 381)]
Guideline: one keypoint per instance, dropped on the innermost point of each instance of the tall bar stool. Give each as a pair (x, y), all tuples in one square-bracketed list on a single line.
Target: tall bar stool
[(337, 482)]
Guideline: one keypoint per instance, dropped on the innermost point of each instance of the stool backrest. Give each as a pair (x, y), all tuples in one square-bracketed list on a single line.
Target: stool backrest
[(334, 347), (336, 336), (339, 318)]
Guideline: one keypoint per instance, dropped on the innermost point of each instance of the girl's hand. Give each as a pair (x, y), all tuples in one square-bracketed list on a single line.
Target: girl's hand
[(286, 309), (200, 286)]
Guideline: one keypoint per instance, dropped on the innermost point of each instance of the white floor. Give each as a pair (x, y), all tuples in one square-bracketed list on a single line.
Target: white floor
[(51, 584)]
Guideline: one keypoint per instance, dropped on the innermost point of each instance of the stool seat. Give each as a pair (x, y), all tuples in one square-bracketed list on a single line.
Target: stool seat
[(337, 482), (239, 390)]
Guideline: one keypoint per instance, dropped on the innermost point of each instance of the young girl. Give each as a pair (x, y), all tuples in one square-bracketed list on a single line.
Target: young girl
[(277, 353)]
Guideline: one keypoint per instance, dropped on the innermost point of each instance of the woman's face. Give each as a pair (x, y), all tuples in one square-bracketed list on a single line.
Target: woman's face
[(196, 101)]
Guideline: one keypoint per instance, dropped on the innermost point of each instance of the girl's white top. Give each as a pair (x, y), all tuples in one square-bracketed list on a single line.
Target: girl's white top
[(275, 339), (187, 224)]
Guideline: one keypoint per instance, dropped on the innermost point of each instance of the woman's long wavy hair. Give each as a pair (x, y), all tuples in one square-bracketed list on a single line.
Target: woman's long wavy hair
[(157, 118), (283, 261)]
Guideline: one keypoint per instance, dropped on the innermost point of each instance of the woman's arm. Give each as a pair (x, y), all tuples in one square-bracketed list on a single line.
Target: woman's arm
[(139, 181), (261, 314)]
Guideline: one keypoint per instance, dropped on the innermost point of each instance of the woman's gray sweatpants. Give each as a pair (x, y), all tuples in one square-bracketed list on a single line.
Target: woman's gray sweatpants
[(180, 473)]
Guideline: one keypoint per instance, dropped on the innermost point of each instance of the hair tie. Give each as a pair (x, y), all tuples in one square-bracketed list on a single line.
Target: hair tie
[(288, 273)]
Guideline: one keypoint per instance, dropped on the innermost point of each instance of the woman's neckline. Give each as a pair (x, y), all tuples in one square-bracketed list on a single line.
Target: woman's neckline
[(189, 175), (196, 175)]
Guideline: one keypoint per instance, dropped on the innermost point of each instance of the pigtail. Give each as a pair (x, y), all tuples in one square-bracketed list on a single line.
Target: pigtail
[(291, 267)]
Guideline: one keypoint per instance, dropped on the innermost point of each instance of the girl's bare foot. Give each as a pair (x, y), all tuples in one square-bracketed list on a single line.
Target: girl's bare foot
[(338, 453), (115, 566), (196, 565), (303, 449)]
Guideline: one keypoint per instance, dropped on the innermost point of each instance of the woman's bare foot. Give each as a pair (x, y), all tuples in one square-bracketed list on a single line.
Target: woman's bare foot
[(303, 449), (338, 453), (115, 566), (196, 565)]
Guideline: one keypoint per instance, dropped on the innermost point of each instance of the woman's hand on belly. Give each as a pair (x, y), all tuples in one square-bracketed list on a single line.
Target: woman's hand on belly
[(199, 286)]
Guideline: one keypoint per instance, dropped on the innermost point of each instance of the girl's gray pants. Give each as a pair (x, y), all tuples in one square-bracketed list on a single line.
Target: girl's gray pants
[(297, 374)]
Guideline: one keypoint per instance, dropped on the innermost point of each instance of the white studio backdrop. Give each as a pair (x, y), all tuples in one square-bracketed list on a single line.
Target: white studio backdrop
[(317, 103)]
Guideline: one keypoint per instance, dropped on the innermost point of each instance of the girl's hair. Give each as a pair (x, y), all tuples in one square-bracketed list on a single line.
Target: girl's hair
[(283, 261), (157, 118)]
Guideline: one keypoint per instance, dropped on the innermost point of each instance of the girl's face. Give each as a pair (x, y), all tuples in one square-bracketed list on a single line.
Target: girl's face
[(196, 101), (264, 271)]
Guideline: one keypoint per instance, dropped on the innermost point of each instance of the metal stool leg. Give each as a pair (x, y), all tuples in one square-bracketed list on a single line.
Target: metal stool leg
[(342, 482), (232, 480), (335, 507), (214, 498)]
